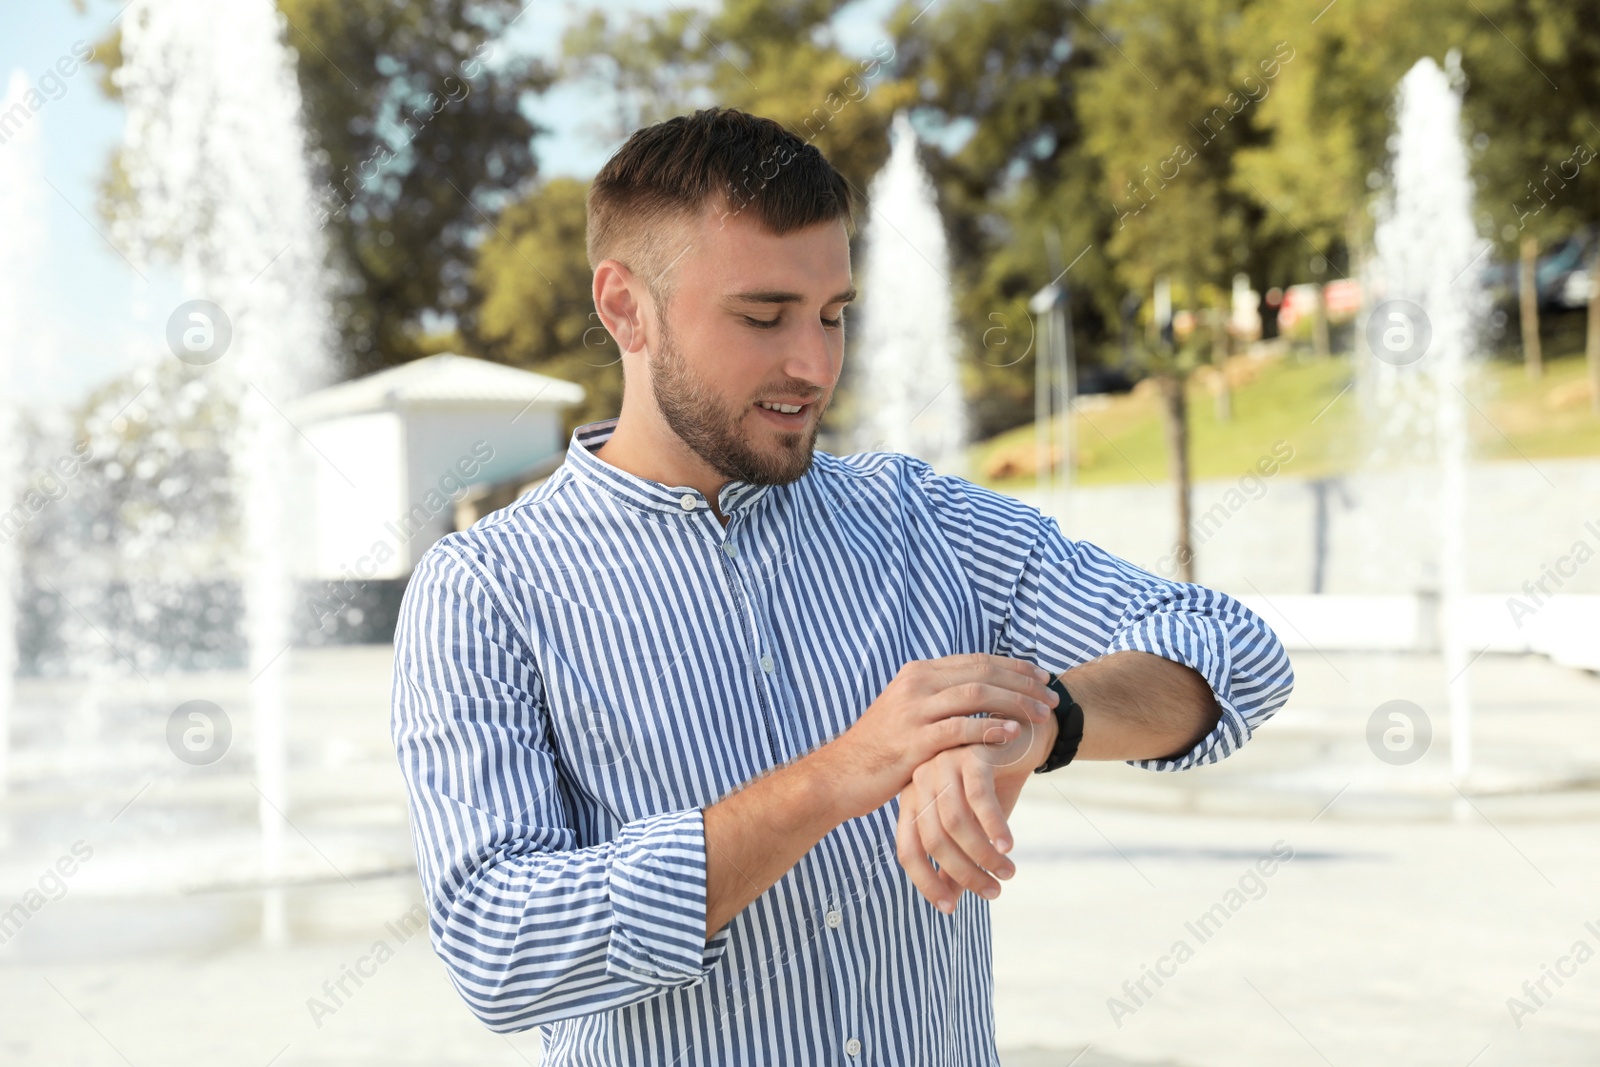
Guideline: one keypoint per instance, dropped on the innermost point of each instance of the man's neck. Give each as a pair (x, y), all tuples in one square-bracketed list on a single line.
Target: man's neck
[(655, 452)]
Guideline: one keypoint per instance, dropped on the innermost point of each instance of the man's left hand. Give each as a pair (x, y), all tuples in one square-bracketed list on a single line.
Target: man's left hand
[(955, 811), (1136, 706)]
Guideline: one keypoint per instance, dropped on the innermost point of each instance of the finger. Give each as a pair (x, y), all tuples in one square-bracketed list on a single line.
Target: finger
[(973, 819), (980, 661), (1030, 685), (951, 888), (965, 831), (955, 866), (962, 730), (953, 862), (1024, 746), (1006, 700), (937, 890), (1001, 671), (928, 775), (1016, 674)]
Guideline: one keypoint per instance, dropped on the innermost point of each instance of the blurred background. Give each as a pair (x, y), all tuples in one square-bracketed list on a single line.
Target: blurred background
[(1297, 301)]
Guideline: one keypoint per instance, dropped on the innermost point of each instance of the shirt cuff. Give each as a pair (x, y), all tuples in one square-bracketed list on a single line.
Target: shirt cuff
[(658, 902), (1197, 642)]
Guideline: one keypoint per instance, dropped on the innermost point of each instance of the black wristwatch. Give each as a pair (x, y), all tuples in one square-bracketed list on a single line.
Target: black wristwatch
[(1069, 730)]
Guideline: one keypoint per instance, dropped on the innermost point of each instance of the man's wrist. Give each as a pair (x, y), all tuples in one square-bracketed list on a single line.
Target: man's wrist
[(827, 786), (1044, 741), (1068, 734)]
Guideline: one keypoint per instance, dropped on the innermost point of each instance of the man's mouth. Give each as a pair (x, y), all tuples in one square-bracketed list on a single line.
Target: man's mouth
[(785, 415)]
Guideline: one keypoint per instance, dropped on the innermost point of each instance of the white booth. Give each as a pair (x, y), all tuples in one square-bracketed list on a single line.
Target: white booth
[(385, 458)]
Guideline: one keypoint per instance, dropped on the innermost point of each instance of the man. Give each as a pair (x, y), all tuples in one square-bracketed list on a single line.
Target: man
[(670, 720)]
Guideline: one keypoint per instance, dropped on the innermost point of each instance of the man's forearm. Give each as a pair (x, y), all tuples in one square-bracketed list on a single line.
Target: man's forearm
[(753, 836), (1137, 705)]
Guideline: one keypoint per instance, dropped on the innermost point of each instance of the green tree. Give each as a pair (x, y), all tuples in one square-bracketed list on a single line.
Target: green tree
[(1532, 96), (1167, 117), (1022, 197), (775, 58), (1328, 117), (414, 108), (535, 306), (413, 112)]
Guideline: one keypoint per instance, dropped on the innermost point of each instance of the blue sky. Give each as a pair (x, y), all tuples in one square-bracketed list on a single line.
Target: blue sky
[(95, 317)]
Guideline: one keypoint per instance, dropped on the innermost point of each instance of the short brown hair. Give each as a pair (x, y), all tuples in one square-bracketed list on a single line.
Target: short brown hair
[(667, 174)]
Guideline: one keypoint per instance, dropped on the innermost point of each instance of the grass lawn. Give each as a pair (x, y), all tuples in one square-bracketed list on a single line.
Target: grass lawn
[(1306, 404)]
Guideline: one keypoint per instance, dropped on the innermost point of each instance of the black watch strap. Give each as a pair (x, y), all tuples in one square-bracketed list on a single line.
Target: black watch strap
[(1069, 730)]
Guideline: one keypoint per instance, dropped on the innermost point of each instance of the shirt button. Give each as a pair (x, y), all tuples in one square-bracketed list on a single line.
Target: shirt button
[(687, 500), (852, 1047), (730, 549), (833, 919), (766, 664)]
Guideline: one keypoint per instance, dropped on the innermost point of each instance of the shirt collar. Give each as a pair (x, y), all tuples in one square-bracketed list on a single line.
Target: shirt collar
[(643, 492)]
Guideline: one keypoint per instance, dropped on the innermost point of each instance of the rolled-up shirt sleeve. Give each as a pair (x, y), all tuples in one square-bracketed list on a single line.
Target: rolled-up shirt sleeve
[(1059, 602), (531, 928)]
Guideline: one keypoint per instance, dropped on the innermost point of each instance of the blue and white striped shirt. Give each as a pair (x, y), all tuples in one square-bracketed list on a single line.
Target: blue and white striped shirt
[(581, 673)]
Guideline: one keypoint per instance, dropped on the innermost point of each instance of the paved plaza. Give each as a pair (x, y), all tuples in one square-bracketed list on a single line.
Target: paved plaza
[(1302, 903)]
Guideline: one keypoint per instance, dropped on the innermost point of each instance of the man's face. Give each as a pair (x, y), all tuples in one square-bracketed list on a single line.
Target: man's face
[(753, 317)]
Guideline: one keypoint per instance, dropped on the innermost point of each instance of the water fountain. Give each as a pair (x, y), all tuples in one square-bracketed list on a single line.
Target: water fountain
[(21, 237), (908, 385), (1422, 333), (215, 157)]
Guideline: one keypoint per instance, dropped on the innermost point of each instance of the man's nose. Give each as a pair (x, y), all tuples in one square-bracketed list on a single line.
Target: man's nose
[(812, 359)]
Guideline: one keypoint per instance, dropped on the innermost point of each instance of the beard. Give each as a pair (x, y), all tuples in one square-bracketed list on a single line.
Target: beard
[(714, 429)]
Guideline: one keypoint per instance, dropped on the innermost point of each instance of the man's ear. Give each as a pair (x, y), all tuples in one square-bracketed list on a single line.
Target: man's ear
[(619, 308)]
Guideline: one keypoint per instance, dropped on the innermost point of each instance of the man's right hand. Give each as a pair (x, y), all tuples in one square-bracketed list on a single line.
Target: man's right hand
[(926, 709)]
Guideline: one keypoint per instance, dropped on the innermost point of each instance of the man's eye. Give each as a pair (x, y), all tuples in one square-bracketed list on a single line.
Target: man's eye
[(761, 324), (833, 324)]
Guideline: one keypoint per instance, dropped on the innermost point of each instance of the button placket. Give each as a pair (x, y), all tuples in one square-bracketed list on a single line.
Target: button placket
[(842, 964), (746, 605)]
